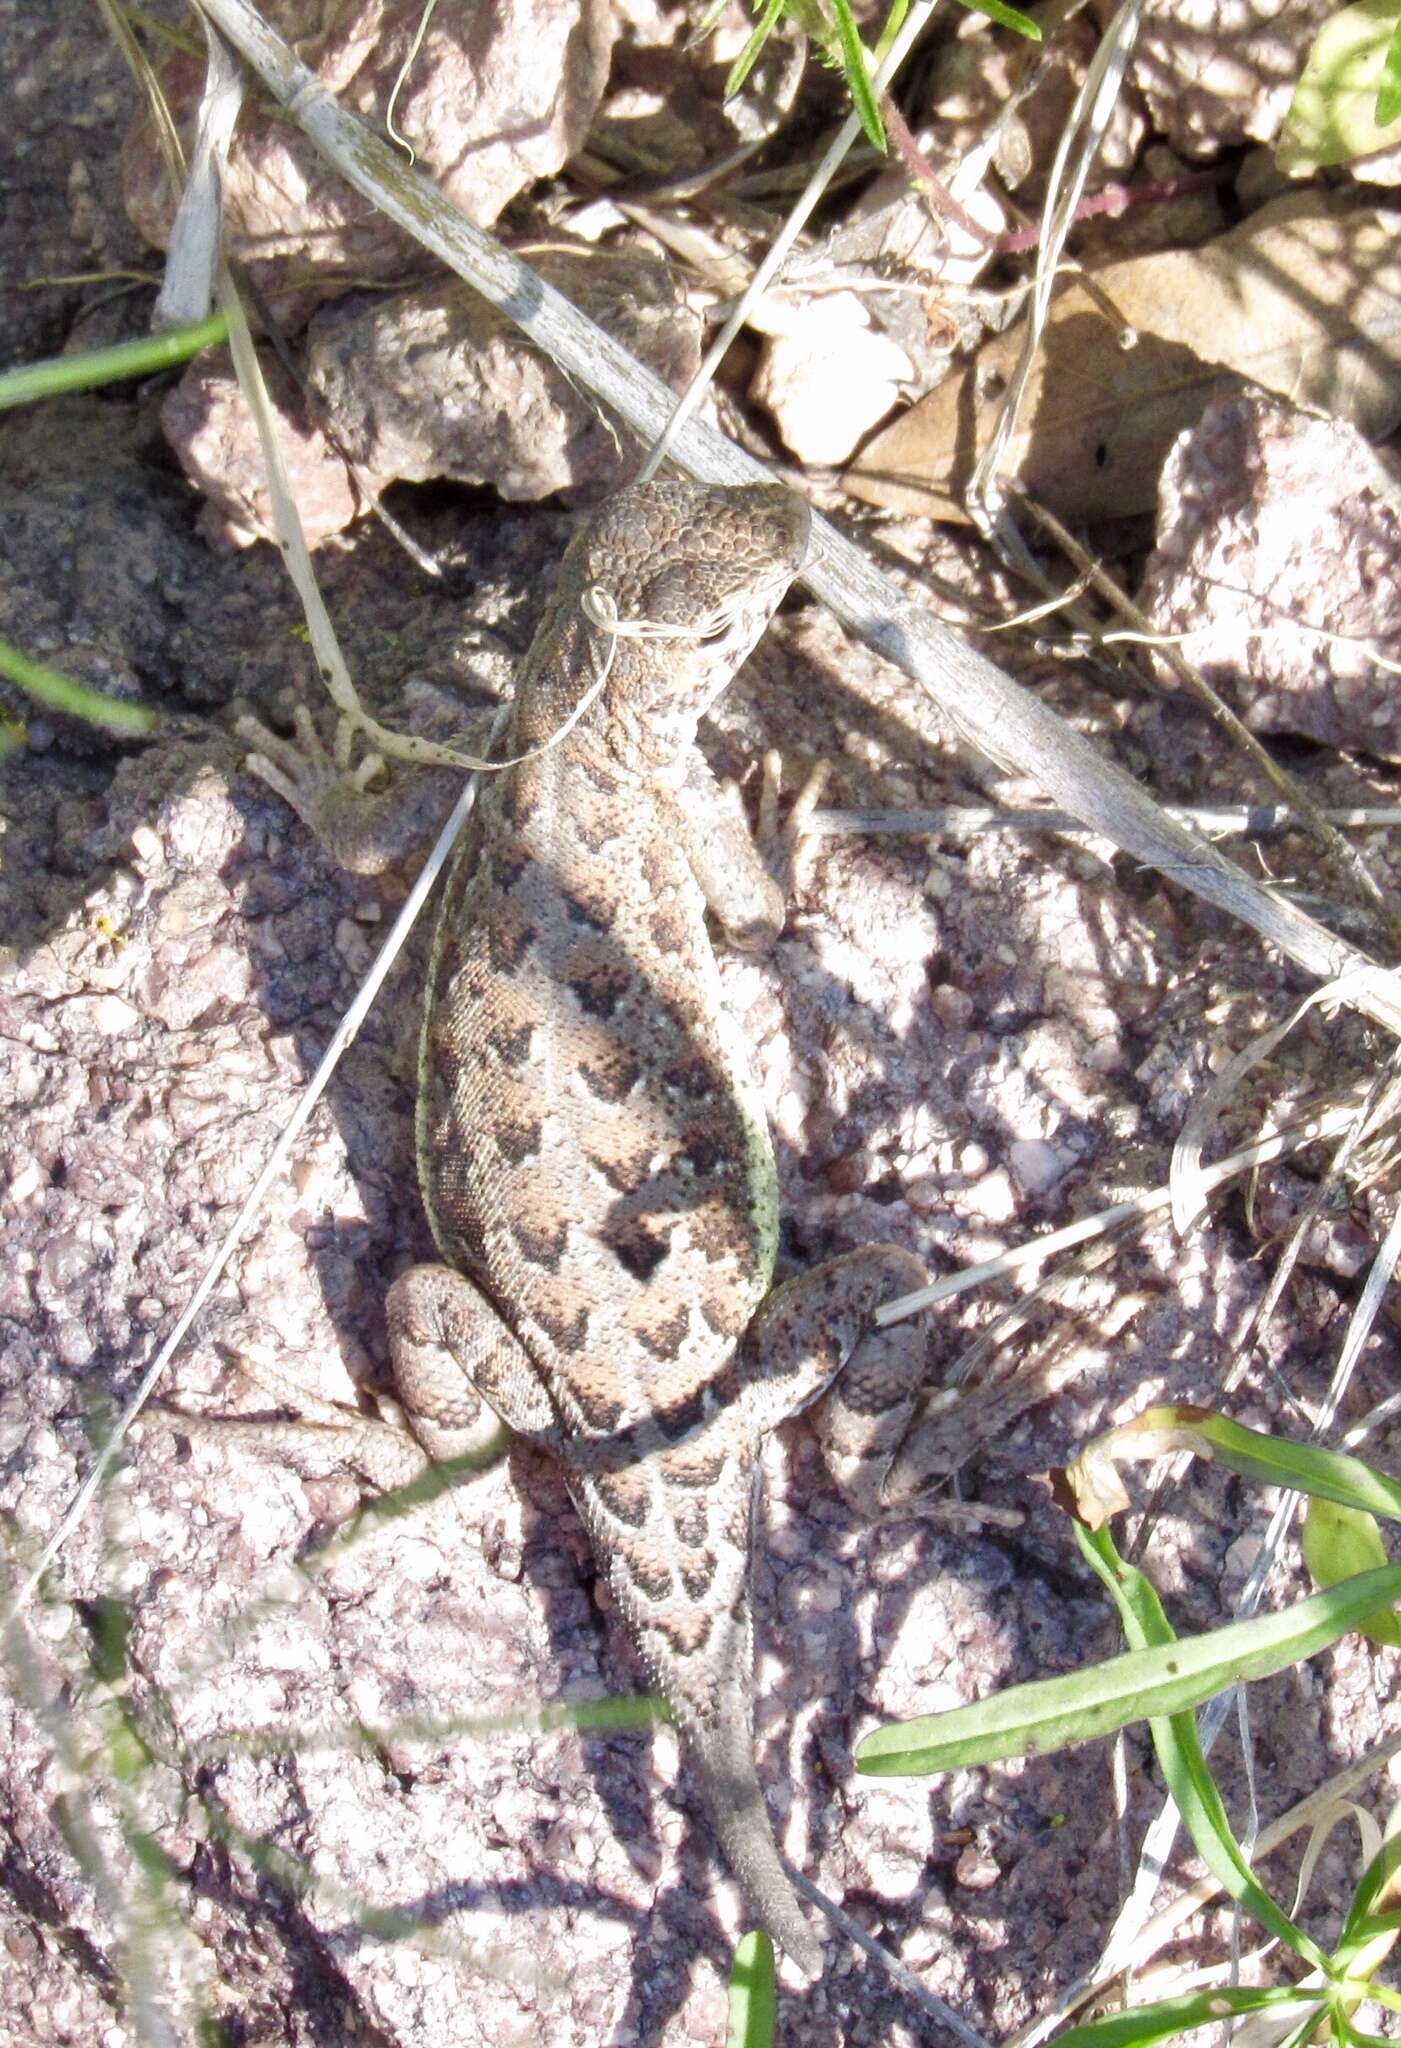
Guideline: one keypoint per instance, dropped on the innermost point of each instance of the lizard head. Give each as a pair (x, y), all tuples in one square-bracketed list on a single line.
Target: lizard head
[(694, 573)]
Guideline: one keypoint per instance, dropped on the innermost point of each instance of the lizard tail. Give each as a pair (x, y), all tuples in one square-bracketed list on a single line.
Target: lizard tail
[(720, 1756)]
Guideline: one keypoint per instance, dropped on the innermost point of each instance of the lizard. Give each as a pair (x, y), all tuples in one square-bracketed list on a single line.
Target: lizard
[(592, 1150)]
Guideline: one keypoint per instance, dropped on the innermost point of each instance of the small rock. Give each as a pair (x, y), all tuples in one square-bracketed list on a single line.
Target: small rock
[(1219, 72), (829, 378), (976, 1871), (1278, 552), (499, 94)]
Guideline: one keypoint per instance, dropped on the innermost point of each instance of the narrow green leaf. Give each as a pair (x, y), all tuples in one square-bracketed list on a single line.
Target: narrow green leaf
[(1349, 2036), (1278, 1461), (744, 62), (706, 23), (1374, 1879), (1142, 1613), (1196, 1798), (857, 77), (1173, 2016), (1303, 2034), (1184, 1767), (1030, 1720), (892, 28), (1339, 1542), (47, 686), (1005, 17), (1370, 1930), (141, 358), (753, 1997)]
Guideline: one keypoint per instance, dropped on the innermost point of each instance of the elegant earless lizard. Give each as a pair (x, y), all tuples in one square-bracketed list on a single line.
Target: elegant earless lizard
[(592, 1150)]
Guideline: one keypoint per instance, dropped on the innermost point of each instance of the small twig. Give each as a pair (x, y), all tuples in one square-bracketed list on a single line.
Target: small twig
[(963, 821)]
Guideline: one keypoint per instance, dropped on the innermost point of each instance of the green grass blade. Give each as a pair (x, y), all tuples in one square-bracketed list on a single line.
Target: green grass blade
[(1184, 1768), (1170, 2017), (1375, 1878), (744, 62), (706, 23), (142, 358), (857, 77), (1197, 1799), (1049, 1713), (892, 28), (61, 693), (753, 1997), (1005, 17), (1277, 1461), (1301, 2035)]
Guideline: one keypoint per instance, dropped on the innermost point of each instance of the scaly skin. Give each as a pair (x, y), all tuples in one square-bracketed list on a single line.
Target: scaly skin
[(592, 1150)]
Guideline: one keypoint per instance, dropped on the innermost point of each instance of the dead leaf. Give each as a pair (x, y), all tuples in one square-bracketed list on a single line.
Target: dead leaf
[(1304, 298)]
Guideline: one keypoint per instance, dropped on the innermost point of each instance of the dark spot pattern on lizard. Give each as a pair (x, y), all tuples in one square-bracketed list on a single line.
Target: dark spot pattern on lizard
[(664, 1332), (592, 914), (689, 1079), (510, 936), (592, 1147), (510, 1044), (649, 1570), (517, 1143), (544, 1247), (626, 1495), (698, 1573), (611, 1077), (568, 1333), (698, 1464), (600, 986), (640, 1250)]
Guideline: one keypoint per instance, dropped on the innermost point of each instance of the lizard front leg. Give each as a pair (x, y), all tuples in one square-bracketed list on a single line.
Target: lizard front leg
[(365, 831), (745, 879)]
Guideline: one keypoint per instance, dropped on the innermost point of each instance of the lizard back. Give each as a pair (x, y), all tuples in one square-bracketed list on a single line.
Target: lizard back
[(592, 1149)]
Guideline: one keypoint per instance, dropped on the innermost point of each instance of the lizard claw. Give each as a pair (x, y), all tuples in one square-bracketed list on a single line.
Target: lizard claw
[(783, 843), (366, 833), (322, 1438)]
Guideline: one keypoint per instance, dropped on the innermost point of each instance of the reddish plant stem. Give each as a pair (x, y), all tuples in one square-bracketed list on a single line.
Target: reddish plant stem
[(1116, 199), (1110, 199)]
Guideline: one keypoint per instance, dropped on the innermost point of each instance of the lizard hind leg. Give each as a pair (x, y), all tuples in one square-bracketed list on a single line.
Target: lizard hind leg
[(814, 1342), (452, 1353)]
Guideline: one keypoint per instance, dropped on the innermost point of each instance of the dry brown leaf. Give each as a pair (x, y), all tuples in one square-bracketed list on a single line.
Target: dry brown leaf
[(1303, 298)]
